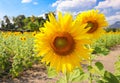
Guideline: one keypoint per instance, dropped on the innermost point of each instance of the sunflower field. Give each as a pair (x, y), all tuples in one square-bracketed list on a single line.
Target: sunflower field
[(16, 52), (64, 46)]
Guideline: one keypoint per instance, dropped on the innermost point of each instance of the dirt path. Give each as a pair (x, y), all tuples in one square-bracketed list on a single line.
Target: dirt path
[(37, 74), (109, 60)]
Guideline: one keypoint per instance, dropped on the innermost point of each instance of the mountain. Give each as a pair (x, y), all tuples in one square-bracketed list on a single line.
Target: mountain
[(115, 25)]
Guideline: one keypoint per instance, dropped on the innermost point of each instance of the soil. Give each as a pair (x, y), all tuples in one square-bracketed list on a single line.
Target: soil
[(37, 74), (109, 60)]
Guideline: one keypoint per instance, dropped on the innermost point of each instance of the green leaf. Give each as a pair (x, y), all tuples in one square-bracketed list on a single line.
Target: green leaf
[(77, 75), (109, 78), (80, 78), (62, 80), (101, 50), (117, 68), (118, 76), (51, 72), (105, 51), (99, 65), (89, 67)]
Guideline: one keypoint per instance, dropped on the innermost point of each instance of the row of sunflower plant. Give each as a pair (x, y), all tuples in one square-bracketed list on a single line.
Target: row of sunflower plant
[(105, 42), (16, 52), (65, 45)]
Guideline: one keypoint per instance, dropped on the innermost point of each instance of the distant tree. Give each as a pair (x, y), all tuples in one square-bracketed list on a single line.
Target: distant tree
[(33, 18), (2, 24), (6, 19), (33, 23), (19, 21), (41, 21), (6, 24)]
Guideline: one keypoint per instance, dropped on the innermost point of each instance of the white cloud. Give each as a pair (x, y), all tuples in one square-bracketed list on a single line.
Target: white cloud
[(26, 1), (42, 15), (73, 5), (108, 11), (118, 13), (109, 3), (35, 3), (111, 9), (56, 3), (112, 19)]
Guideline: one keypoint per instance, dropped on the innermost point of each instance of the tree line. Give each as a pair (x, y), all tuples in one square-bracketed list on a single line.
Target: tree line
[(23, 23)]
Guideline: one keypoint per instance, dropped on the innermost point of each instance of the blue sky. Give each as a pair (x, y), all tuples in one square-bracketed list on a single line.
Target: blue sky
[(111, 8), (26, 7)]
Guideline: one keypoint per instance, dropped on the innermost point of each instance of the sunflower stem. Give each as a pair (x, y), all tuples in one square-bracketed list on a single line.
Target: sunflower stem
[(90, 74), (66, 78)]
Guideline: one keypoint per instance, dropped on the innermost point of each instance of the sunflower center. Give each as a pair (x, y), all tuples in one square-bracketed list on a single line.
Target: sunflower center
[(62, 43), (93, 25)]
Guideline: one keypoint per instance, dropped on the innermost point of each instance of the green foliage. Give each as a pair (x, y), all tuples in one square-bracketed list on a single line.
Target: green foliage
[(96, 73), (103, 44), (108, 78), (99, 65), (33, 23), (51, 72), (5, 60), (20, 23), (77, 75), (112, 29), (15, 54), (101, 50), (117, 68), (62, 80)]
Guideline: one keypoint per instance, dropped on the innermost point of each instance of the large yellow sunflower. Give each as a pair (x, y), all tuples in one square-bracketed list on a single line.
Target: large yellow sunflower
[(95, 20), (61, 43)]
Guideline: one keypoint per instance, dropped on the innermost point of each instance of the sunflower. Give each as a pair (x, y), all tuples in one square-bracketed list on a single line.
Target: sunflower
[(61, 43), (23, 38), (95, 20), (34, 33)]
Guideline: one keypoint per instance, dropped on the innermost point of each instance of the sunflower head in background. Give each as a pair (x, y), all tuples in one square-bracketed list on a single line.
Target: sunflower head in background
[(95, 20), (61, 43)]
